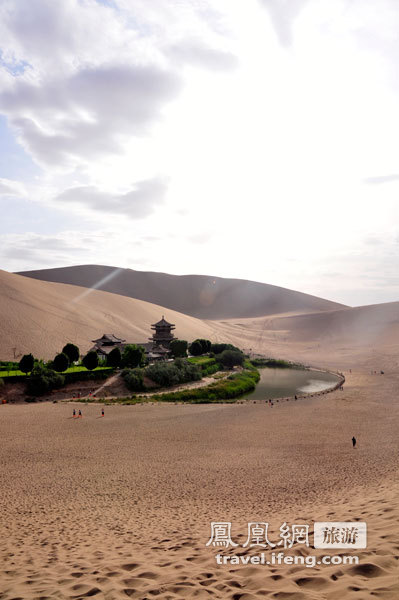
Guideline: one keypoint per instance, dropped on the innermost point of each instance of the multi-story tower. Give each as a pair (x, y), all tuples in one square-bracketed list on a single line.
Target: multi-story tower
[(162, 335)]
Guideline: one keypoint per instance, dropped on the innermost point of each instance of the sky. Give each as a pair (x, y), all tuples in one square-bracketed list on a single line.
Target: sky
[(256, 140)]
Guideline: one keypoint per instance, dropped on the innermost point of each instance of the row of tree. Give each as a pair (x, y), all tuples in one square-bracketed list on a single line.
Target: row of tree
[(69, 355), (132, 356), (196, 348)]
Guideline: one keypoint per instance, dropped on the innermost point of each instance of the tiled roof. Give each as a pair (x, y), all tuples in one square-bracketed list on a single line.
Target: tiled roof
[(109, 337), (162, 323)]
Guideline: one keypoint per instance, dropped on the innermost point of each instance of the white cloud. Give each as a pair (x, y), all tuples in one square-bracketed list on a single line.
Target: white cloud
[(11, 188), (283, 14), (137, 203), (191, 129), (63, 122)]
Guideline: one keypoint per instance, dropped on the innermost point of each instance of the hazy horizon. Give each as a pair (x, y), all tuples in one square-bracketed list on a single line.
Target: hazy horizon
[(252, 141)]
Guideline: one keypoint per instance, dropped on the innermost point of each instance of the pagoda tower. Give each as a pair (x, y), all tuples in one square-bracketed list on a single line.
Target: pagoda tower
[(162, 335)]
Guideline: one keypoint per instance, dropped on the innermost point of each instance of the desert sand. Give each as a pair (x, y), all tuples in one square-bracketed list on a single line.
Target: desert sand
[(40, 317), (121, 506)]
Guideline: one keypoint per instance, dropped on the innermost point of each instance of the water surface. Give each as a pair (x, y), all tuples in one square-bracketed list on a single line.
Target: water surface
[(277, 383)]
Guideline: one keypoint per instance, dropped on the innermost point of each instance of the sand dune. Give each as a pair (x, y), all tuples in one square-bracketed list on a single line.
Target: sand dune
[(40, 317), (200, 296), (367, 335)]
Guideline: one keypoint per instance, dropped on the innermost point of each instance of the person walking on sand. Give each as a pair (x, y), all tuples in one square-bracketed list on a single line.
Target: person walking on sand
[(74, 413), (80, 413), (102, 412), (354, 442)]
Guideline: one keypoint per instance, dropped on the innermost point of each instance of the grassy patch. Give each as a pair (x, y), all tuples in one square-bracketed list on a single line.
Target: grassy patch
[(74, 369), (208, 365), (80, 368), (201, 360), (12, 374)]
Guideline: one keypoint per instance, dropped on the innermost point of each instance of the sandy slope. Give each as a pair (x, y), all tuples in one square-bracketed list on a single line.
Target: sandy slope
[(339, 338), (40, 317), (202, 296)]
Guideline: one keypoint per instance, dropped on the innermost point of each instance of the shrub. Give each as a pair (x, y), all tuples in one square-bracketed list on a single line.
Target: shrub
[(211, 369), (90, 361), (218, 348), (133, 356), (114, 358), (43, 380), (61, 362), (72, 352), (275, 363), (26, 363), (179, 348), (163, 374), (84, 375), (6, 365), (207, 364), (167, 374), (230, 358), (134, 379), (195, 348)]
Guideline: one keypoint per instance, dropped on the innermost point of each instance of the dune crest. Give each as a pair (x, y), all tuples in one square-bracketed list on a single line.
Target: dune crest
[(201, 296)]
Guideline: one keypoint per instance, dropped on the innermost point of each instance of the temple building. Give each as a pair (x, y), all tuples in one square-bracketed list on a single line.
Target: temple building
[(162, 335), (156, 349), (108, 340)]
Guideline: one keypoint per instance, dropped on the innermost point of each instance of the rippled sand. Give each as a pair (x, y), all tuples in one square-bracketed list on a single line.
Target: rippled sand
[(121, 506)]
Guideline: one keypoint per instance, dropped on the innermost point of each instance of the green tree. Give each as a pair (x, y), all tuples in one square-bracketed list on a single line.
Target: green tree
[(195, 348), (114, 358), (133, 356), (90, 361), (61, 362), (72, 352), (206, 345), (26, 363), (218, 348), (230, 358), (178, 348)]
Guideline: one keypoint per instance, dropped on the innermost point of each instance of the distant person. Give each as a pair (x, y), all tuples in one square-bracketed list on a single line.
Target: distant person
[(354, 442), (74, 413), (102, 412), (80, 413), (296, 397)]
